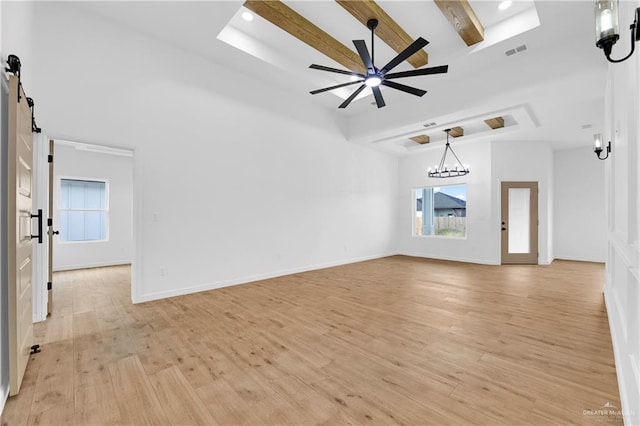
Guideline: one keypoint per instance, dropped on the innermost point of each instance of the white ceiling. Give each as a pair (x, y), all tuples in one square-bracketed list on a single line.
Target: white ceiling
[(558, 80)]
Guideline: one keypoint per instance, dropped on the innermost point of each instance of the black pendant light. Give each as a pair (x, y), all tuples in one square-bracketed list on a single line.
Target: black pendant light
[(443, 170)]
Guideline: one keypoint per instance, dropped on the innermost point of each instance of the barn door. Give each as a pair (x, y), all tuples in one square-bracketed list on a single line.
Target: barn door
[(19, 233)]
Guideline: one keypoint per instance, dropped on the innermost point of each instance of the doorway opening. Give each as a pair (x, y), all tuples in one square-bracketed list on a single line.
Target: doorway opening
[(92, 202)]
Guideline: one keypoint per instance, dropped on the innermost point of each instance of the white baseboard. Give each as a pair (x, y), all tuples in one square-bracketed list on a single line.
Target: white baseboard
[(453, 259), (616, 341), (90, 265), (580, 258), (484, 261), (140, 298)]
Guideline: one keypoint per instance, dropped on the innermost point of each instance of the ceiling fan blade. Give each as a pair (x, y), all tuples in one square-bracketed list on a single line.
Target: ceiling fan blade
[(402, 87), (361, 47), (378, 95), (335, 87), (404, 55), (352, 97), (339, 71), (424, 71)]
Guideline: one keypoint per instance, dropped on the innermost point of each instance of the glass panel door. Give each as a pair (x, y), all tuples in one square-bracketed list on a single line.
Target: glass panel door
[(519, 229), (519, 220)]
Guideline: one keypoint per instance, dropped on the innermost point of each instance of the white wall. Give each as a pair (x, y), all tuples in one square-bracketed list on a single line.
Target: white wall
[(622, 288), (118, 172), (480, 245), (526, 161), (17, 39), (579, 206), (16, 20), (491, 162), (245, 182)]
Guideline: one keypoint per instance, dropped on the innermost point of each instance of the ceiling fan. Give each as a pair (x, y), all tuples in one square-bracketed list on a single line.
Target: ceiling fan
[(375, 77)]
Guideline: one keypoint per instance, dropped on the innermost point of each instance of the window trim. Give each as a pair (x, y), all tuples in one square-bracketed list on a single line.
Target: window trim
[(106, 209), (413, 213)]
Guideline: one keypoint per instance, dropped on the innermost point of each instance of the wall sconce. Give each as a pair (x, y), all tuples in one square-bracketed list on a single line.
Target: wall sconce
[(597, 146), (607, 31)]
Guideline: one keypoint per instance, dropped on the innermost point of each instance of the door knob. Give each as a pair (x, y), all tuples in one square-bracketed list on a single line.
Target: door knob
[(51, 232)]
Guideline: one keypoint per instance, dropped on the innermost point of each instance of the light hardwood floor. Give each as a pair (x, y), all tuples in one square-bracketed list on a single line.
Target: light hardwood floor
[(390, 341)]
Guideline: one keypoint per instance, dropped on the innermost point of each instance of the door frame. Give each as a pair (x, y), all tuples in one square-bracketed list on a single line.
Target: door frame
[(532, 258), (136, 214), (40, 251)]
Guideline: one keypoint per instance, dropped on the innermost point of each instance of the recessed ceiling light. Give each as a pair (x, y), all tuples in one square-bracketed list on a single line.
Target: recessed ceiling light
[(247, 16), (504, 5)]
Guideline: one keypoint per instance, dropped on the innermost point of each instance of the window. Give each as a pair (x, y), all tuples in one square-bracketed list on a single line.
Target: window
[(440, 211), (83, 210)]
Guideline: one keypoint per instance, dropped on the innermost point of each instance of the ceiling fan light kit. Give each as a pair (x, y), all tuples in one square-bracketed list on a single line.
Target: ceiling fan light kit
[(376, 77), (373, 81)]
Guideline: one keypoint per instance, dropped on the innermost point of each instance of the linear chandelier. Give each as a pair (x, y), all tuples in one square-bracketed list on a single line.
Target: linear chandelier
[(442, 170)]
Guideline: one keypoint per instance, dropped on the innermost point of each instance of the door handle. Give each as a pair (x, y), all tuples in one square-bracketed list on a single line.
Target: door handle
[(51, 232), (39, 236)]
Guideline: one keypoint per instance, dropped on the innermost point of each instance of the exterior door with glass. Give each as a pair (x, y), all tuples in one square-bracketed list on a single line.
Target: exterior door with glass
[(519, 227)]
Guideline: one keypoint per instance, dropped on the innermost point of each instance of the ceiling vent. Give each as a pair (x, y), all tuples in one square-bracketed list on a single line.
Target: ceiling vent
[(516, 50), (429, 124)]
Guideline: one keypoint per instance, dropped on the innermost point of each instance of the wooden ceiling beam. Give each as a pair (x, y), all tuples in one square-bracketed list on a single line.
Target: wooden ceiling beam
[(388, 30), (282, 16), (461, 16), (456, 132), (421, 139), (495, 123)]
